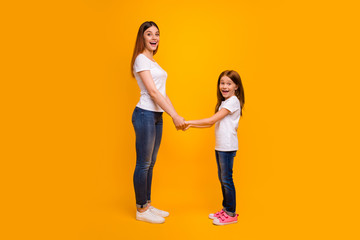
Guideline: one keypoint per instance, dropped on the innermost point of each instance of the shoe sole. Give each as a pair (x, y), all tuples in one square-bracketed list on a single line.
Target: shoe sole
[(221, 224), (144, 220)]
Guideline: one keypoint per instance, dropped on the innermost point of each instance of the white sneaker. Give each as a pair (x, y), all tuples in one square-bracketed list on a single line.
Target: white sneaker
[(159, 212), (149, 216)]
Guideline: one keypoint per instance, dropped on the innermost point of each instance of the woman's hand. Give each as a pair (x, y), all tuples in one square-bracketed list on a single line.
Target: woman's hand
[(187, 125), (179, 122)]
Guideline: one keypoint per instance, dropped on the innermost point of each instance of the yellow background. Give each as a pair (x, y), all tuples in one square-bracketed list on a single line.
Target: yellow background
[(68, 150)]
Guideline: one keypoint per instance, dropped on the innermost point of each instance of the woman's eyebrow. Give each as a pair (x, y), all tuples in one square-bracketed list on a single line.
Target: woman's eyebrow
[(150, 31)]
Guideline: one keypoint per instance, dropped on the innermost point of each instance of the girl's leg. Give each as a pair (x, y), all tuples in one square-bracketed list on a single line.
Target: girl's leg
[(158, 135), (225, 161), (219, 176), (144, 125)]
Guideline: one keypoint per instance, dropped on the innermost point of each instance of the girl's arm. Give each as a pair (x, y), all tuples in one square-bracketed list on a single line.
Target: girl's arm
[(208, 122), (159, 99)]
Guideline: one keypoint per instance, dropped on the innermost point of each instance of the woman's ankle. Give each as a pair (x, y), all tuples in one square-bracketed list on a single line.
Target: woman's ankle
[(144, 208)]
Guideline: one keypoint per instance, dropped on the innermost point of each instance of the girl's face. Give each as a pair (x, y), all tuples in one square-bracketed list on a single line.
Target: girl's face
[(151, 38), (227, 87)]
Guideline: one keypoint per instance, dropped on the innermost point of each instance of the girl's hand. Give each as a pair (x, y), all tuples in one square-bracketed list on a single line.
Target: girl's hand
[(179, 122), (187, 126)]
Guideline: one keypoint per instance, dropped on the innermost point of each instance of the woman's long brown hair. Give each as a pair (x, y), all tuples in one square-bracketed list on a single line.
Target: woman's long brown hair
[(239, 92), (140, 43)]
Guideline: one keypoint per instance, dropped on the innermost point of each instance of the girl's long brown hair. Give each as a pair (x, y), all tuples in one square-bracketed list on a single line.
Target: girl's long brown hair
[(239, 92), (140, 43)]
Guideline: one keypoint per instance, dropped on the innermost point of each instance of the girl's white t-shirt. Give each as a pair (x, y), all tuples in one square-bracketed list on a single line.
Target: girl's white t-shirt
[(159, 76), (226, 128)]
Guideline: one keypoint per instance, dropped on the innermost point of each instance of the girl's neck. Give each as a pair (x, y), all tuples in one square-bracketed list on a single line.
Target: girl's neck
[(229, 97), (149, 54)]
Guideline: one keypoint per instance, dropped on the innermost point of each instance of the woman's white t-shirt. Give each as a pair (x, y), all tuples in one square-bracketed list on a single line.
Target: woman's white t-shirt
[(159, 76), (226, 128)]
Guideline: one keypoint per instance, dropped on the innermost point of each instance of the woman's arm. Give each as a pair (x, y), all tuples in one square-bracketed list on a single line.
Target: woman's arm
[(168, 100), (158, 98), (208, 122)]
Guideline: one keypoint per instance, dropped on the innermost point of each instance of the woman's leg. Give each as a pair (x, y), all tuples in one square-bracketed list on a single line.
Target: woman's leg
[(158, 135), (225, 161), (145, 130)]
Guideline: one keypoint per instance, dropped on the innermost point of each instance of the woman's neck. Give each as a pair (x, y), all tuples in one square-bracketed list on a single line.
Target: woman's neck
[(148, 54)]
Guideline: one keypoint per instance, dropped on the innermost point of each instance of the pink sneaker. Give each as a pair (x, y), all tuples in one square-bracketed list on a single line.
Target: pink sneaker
[(216, 215), (225, 219)]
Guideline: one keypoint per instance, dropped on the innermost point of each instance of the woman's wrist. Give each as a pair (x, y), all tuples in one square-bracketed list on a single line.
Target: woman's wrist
[(174, 115)]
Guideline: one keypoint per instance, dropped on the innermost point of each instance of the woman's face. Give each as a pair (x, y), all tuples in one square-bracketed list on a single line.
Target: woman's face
[(151, 38)]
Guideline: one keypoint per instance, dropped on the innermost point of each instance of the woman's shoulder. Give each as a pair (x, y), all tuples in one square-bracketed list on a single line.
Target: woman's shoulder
[(142, 63), (141, 57)]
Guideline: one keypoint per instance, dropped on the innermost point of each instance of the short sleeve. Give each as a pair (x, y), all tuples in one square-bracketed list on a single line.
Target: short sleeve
[(232, 104), (141, 63)]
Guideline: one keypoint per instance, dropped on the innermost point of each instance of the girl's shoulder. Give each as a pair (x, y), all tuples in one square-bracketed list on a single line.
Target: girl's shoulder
[(232, 100), (232, 103)]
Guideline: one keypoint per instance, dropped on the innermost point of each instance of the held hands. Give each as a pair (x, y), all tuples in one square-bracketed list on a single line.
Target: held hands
[(188, 125), (179, 122)]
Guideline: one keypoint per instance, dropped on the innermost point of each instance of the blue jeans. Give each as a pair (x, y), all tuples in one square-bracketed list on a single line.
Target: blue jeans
[(148, 127), (225, 161)]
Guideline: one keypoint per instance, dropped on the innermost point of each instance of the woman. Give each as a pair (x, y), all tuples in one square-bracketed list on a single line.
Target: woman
[(147, 118)]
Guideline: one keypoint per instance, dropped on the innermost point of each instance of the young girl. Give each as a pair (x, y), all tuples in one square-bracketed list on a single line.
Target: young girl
[(230, 94)]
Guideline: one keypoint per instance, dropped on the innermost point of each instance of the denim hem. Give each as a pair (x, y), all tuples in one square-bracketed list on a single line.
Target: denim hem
[(231, 214)]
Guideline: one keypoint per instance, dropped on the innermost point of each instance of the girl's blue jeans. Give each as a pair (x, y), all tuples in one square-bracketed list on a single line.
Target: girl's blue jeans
[(148, 127), (225, 162)]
